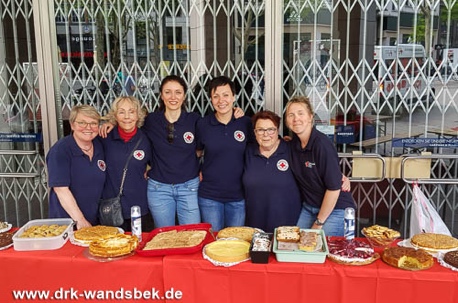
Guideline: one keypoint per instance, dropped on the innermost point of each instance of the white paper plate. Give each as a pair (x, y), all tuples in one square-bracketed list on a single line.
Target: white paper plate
[(84, 244), (218, 263), (440, 259), (7, 228), (6, 247), (433, 252)]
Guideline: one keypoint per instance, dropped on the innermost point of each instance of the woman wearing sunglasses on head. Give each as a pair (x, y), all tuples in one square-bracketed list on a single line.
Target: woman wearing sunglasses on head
[(76, 170), (173, 178)]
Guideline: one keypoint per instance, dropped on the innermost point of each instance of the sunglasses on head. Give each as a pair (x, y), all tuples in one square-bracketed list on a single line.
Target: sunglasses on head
[(170, 131)]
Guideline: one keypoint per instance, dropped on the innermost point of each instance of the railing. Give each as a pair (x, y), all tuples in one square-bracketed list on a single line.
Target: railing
[(388, 197)]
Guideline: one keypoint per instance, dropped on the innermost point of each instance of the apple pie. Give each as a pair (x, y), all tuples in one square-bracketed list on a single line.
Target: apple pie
[(43, 231), (176, 239), (240, 232), (115, 246), (434, 242), (89, 234), (407, 258)]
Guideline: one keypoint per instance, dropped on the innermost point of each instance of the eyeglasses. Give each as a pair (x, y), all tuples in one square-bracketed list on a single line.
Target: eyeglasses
[(84, 124), (262, 131), (170, 131)]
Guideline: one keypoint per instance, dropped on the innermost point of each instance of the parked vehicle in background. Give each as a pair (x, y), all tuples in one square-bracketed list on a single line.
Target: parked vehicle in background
[(450, 64), (399, 79)]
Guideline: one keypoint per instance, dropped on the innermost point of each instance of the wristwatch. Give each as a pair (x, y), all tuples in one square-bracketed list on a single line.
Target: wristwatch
[(318, 222)]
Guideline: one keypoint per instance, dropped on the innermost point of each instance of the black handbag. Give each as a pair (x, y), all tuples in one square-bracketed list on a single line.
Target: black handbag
[(110, 210)]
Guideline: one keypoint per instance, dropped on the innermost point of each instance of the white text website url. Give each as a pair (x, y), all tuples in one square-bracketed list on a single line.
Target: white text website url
[(120, 294)]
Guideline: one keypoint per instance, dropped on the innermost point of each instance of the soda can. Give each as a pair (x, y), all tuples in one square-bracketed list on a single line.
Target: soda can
[(349, 223), (136, 222)]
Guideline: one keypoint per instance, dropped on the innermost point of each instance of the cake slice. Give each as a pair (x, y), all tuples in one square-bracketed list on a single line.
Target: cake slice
[(288, 234), (308, 240)]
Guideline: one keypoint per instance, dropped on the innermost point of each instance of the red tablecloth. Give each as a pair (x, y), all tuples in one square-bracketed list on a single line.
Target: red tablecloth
[(69, 269), (199, 281), (274, 282)]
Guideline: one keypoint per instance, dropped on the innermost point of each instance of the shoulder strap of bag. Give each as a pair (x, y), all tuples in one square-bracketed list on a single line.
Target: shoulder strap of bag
[(125, 167)]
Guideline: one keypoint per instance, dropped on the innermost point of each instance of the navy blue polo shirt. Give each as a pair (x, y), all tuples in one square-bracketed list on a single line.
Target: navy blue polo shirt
[(317, 169), (135, 185), (69, 167), (224, 149), (272, 196), (173, 162)]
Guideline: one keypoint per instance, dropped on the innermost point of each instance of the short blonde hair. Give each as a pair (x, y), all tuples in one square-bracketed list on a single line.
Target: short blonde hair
[(111, 116), (86, 110), (300, 100)]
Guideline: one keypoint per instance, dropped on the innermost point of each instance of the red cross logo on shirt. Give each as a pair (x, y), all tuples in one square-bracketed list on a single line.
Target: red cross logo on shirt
[(282, 165), (139, 154), (309, 164), (188, 137), (101, 164), (239, 136)]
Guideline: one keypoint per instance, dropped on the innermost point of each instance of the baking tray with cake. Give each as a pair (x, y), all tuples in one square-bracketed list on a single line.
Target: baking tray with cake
[(43, 234), (176, 240), (315, 252)]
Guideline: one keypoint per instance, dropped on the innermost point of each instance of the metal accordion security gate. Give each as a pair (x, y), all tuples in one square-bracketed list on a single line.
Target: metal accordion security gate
[(375, 70)]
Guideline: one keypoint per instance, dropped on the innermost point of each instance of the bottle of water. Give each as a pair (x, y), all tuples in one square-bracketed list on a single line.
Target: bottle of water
[(349, 223), (136, 222)]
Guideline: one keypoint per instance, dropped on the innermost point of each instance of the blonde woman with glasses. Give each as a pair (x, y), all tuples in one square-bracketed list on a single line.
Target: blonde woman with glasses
[(76, 170)]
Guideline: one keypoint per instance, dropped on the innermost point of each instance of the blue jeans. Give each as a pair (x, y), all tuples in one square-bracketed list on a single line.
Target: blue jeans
[(222, 214), (334, 225), (168, 201)]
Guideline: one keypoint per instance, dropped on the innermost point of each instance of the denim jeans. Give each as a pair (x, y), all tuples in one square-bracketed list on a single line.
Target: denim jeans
[(334, 225), (168, 201), (222, 214)]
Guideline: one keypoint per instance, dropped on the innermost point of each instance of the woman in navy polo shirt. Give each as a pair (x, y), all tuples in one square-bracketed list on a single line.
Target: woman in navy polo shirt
[(76, 170), (315, 164), (271, 193), (127, 114), (173, 179), (222, 137)]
